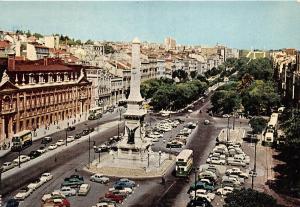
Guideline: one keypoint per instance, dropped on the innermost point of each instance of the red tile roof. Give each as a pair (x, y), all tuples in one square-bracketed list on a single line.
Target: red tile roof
[(53, 65), (4, 44)]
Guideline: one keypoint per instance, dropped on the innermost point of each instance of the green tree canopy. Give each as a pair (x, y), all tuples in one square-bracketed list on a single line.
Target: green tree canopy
[(181, 74), (258, 124), (249, 198)]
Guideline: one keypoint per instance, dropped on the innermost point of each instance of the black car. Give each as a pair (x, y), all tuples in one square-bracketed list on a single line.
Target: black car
[(71, 128), (12, 203), (85, 132), (34, 154), (77, 136), (201, 202), (46, 140), (91, 129)]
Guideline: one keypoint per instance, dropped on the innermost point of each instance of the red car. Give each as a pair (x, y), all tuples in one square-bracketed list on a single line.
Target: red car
[(114, 197), (56, 203)]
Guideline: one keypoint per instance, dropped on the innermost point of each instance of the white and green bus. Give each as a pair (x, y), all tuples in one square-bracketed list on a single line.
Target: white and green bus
[(95, 113), (21, 140), (184, 163)]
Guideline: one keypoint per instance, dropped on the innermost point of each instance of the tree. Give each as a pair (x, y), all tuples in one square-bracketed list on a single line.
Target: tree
[(258, 124), (108, 49), (89, 42), (249, 198), (202, 79), (37, 35), (181, 74), (246, 82), (260, 97)]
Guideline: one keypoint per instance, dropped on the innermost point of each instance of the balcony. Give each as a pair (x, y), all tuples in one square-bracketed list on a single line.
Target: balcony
[(6, 111)]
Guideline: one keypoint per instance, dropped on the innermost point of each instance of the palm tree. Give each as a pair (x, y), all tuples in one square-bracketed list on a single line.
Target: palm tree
[(246, 82)]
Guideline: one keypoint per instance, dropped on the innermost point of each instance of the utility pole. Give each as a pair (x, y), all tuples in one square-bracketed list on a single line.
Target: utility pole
[(66, 136), (227, 138), (89, 150)]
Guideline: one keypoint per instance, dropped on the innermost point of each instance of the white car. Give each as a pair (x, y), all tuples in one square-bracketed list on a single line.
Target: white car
[(23, 193), (46, 177), (22, 159), (42, 150), (52, 146), (202, 194), (99, 178), (7, 166), (104, 204), (225, 115), (60, 142), (35, 184), (84, 189), (70, 139), (216, 161), (54, 194), (68, 191), (224, 191), (121, 190)]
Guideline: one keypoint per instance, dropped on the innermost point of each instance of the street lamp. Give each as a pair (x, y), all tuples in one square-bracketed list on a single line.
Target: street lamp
[(119, 110), (148, 157), (66, 136), (99, 153), (196, 169), (159, 157), (1, 170), (227, 138), (254, 167)]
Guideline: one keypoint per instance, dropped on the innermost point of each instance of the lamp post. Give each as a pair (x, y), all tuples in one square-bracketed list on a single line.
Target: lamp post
[(99, 153), (195, 190), (119, 110), (159, 157), (227, 137), (254, 167), (1, 170), (19, 152), (148, 157), (66, 136)]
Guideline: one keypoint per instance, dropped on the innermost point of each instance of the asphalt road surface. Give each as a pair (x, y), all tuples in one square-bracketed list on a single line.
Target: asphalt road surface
[(63, 158)]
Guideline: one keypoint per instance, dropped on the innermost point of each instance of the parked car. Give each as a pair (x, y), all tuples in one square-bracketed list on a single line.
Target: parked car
[(124, 182), (56, 203), (203, 194), (216, 161), (224, 191), (52, 147), (7, 166), (99, 178), (174, 144), (201, 185), (84, 189), (36, 184), (72, 182), (68, 191), (70, 139), (22, 159), (34, 154), (46, 140), (60, 142), (23, 193), (57, 195), (46, 177), (42, 150), (78, 135), (206, 121), (85, 132), (121, 189), (199, 202), (114, 197), (236, 162), (12, 203)]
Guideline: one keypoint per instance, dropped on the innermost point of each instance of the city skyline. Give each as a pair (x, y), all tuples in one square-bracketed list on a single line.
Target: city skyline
[(190, 23)]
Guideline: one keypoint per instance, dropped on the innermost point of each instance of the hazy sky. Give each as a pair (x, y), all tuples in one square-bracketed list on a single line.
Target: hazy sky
[(236, 24)]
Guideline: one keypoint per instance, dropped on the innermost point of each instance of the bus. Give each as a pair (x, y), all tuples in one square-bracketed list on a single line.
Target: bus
[(21, 140), (184, 163), (95, 113)]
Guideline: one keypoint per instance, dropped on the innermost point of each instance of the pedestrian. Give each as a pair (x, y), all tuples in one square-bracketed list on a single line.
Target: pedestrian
[(55, 159), (163, 181)]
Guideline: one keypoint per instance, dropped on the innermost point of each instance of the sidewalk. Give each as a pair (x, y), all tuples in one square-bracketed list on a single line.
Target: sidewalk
[(52, 128)]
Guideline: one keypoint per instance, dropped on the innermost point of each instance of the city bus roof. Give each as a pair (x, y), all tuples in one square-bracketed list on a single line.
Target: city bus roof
[(185, 154), (21, 133)]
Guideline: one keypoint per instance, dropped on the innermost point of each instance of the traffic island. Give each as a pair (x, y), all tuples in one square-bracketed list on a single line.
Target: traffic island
[(156, 166)]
